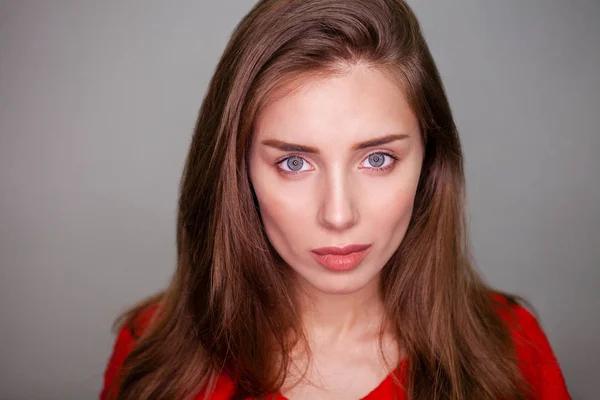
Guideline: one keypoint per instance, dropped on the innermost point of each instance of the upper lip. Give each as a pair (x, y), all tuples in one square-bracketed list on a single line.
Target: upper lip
[(351, 248)]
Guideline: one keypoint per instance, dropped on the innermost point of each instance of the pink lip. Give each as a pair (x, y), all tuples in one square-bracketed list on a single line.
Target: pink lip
[(341, 258)]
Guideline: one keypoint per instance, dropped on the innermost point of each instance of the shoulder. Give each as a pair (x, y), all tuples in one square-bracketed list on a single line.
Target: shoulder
[(127, 336), (535, 356), (129, 331)]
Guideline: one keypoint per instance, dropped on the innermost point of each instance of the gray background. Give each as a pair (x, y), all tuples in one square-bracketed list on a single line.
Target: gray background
[(97, 104)]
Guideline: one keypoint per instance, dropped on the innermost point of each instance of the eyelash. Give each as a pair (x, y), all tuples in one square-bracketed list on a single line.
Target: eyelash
[(393, 157)]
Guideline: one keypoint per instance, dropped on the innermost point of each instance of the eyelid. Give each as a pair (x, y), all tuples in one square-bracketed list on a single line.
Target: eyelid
[(282, 159), (385, 152)]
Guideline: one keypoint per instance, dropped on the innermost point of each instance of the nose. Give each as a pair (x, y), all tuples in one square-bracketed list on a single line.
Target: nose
[(337, 210)]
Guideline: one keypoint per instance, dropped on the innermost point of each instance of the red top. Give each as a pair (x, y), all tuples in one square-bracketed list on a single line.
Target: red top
[(536, 361)]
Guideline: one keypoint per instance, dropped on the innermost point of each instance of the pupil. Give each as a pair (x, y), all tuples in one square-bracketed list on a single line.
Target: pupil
[(294, 163), (376, 160)]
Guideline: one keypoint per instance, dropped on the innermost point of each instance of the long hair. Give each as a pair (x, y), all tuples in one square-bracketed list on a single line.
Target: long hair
[(229, 308)]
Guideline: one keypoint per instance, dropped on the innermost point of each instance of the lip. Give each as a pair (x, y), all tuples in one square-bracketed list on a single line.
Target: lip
[(341, 258), (340, 251)]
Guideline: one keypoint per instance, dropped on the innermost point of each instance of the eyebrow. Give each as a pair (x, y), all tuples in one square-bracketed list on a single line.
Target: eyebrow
[(284, 146)]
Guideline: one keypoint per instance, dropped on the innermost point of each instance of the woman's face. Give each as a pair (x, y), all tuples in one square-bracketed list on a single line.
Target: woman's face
[(333, 164)]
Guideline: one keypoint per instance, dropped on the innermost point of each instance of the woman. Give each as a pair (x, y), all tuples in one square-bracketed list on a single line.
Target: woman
[(322, 249)]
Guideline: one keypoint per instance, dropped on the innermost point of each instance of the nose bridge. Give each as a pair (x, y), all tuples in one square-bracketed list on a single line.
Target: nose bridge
[(337, 210)]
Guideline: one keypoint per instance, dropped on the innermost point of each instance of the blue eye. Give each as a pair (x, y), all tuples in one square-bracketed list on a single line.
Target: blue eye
[(292, 164), (378, 161)]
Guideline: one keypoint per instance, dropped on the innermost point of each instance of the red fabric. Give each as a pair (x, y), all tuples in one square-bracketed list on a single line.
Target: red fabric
[(536, 361)]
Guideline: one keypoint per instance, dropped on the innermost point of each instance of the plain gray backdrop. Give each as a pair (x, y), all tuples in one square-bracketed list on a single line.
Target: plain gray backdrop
[(98, 100)]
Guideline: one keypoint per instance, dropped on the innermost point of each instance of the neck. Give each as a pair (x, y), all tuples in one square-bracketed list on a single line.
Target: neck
[(332, 318)]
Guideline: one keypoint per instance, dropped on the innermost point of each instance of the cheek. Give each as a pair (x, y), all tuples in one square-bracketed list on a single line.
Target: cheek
[(285, 214), (399, 203), (388, 209), (391, 210)]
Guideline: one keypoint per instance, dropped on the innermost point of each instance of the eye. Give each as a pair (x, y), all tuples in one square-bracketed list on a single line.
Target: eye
[(292, 164), (380, 161)]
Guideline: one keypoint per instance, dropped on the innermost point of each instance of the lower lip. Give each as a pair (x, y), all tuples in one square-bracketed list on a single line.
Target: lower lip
[(341, 262)]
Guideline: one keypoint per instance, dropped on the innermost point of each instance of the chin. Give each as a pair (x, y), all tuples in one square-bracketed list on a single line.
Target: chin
[(329, 282)]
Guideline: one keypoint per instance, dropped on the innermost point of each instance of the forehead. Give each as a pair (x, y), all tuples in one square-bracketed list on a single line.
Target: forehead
[(358, 104)]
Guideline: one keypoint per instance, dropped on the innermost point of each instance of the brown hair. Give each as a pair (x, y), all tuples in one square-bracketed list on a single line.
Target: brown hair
[(229, 306)]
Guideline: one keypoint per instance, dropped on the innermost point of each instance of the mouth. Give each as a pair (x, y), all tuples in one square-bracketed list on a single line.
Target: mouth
[(341, 258)]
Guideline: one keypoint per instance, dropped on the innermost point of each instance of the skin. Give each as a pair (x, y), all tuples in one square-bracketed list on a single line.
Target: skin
[(338, 198)]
